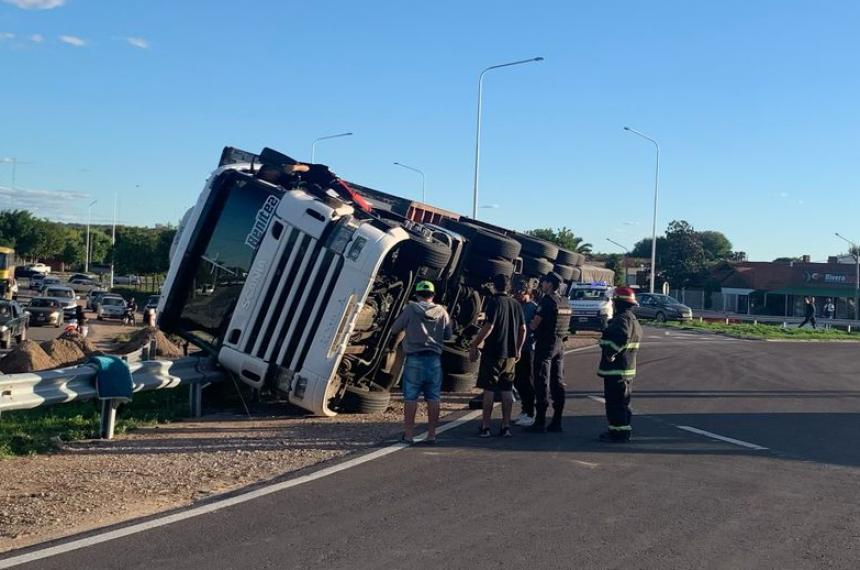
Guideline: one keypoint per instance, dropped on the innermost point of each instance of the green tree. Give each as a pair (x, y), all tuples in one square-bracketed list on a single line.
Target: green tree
[(642, 249), (73, 248), (100, 246), (715, 245), (684, 261), (615, 262), (562, 237)]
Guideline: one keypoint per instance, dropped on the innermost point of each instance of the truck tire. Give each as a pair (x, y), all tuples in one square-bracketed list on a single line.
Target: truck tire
[(567, 257), (459, 382), (430, 252), (483, 242), (566, 271), (457, 362), (364, 401), (535, 267), (533, 247), (485, 269)]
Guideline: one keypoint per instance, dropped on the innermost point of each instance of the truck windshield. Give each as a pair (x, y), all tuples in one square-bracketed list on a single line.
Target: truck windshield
[(220, 254), (588, 294)]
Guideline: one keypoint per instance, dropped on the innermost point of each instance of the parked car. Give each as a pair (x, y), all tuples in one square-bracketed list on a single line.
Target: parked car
[(23, 272), (126, 280), (65, 296), (48, 282), (45, 311), (36, 280), (111, 307), (94, 298), (13, 323), (40, 268), (89, 276), (152, 303), (662, 308), (83, 284)]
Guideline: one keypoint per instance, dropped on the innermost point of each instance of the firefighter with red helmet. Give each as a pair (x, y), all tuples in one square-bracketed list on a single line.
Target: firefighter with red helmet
[(619, 343)]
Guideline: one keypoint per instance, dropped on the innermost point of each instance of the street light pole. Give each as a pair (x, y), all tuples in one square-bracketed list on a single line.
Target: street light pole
[(654, 221), (421, 172), (89, 221), (325, 138), (113, 241), (478, 130), (624, 258), (856, 254)]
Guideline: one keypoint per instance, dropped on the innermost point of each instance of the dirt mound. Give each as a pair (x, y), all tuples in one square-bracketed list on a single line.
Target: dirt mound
[(165, 347), (63, 351), (83, 343), (27, 357)]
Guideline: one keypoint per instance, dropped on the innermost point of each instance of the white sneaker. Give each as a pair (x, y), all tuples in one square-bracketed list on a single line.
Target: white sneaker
[(524, 420), (516, 421)]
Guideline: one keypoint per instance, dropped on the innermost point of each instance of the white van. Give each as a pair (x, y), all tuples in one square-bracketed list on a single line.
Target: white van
[(590, 305)]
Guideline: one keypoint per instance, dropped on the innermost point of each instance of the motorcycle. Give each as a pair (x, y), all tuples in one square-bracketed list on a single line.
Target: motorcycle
[(129, 318)]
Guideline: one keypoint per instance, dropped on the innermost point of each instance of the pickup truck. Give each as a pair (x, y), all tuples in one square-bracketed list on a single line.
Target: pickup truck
[(13, 323)]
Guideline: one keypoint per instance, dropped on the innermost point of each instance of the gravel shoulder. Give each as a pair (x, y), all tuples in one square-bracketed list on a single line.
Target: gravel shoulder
[(90, 484)]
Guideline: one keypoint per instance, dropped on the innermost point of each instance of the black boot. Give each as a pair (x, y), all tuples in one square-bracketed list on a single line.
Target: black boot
[(540, 422), (555, 424)]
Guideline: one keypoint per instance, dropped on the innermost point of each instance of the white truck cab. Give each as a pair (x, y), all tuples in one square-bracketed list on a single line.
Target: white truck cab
[(291, 285), (590, 305)]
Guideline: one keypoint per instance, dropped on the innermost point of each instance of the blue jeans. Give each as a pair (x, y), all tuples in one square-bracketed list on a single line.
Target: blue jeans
[(422, 373)]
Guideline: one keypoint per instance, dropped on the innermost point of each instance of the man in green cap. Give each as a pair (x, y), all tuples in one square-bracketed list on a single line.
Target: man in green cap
[(422, 327)]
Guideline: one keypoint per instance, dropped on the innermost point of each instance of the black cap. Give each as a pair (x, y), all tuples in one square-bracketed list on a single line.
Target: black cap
[(553, 278)]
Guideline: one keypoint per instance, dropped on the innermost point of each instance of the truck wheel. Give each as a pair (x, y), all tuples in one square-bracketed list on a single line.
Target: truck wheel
[(534, 247), (430, 253), (458, 362), (459, 382), (483, 242), (567, 257), (486, 268), (364, 401), (536, 267), (566, 271)]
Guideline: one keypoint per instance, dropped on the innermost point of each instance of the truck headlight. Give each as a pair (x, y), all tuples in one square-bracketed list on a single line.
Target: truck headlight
[(3, 328)]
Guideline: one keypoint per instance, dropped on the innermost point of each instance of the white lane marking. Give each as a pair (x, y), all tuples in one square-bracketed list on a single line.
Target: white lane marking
[(698, 431), (588, 464), (222, 504), (746, 444)]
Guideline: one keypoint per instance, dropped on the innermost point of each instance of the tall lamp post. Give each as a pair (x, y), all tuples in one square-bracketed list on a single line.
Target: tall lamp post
[(625, 249), (654, 222), (478, 130), (856, 254), (421, 172), (325, 138), (89, 221)]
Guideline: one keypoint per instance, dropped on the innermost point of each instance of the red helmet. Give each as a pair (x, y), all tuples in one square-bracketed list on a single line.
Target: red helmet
[(625, 294)]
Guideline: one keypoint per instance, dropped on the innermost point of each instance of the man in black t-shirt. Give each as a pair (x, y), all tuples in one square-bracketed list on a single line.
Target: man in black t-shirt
[(502, 335), (550, 326)]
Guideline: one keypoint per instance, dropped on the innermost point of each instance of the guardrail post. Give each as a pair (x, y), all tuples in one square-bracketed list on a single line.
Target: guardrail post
[(195, 399), (108, 423)]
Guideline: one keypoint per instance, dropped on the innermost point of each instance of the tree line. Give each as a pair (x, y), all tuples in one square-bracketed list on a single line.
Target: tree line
[(138, 250)]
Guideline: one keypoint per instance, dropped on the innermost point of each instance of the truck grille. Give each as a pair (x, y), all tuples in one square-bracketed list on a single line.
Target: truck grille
[(288, 314)]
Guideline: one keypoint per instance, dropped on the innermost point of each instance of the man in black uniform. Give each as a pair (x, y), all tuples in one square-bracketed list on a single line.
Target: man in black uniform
[(550, 324), (619, 343)]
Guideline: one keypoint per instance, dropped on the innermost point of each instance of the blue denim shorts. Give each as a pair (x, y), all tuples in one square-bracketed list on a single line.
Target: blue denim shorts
[(422, 374)]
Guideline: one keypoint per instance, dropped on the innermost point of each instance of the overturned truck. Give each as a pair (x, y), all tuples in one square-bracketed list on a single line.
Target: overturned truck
[(291, 278)]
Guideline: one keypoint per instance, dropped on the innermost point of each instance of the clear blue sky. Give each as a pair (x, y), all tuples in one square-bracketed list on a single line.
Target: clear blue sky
[(755, 105)]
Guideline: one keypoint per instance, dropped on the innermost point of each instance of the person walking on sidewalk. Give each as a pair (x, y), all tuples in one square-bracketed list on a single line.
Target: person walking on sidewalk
[(422, 326), (551, 324), (502, 337), (829, 309), (808, 312), (525, 370), (619, 345)]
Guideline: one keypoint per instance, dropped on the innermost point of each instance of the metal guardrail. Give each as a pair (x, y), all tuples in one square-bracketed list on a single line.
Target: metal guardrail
[(35, 389)]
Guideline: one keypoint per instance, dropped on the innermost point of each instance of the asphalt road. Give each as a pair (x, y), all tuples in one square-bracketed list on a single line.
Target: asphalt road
[(782, 494)]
